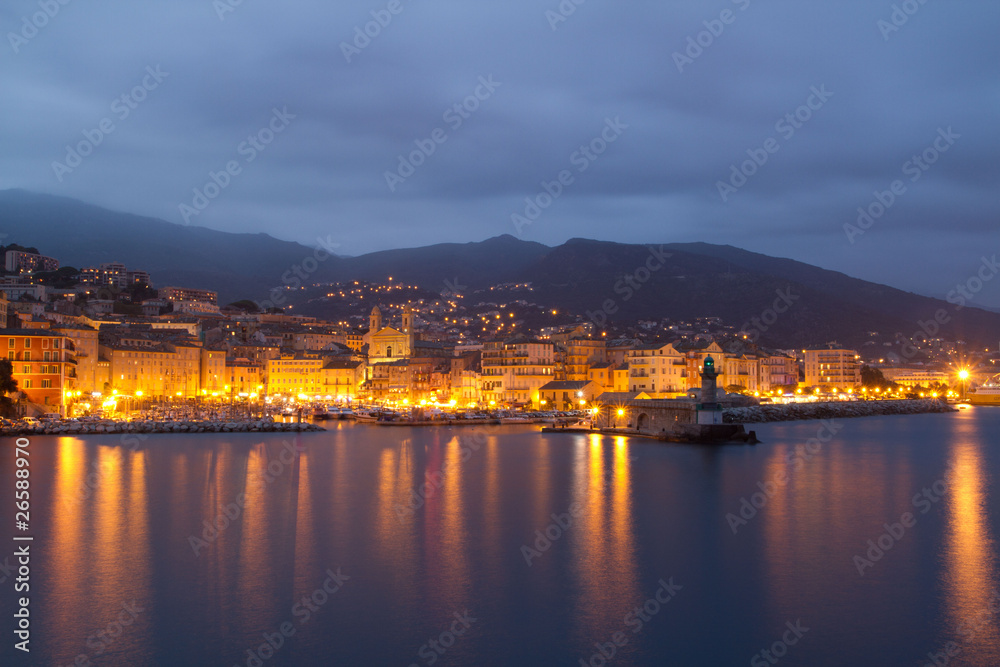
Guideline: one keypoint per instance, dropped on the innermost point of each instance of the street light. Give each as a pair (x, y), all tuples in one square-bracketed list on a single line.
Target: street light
[(963, 375)]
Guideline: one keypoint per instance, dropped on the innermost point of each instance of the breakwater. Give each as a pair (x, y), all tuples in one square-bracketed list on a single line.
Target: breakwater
[(150, 426), (835, 410)]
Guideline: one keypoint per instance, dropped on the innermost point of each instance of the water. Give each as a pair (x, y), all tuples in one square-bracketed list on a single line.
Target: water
[(115, 526)]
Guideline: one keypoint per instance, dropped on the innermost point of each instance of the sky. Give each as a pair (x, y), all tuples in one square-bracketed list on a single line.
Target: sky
[(398, 123)]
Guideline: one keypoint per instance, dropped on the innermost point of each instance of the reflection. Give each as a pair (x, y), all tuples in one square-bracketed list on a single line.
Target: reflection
[(103, 552), (970, 562), (603, 536)]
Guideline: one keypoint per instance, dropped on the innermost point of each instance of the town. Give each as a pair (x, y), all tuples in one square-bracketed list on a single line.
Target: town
[(101, 340)]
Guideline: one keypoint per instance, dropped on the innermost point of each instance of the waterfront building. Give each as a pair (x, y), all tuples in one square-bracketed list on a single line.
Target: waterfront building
[(832, 369), (43, 363), (85, 345), (293, 374), (657, 369), (342, 378), (567, 395), (515, 369)]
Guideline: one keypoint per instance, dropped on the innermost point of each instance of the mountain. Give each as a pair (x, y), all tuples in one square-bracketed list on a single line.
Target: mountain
[(596, 279), (79, 235)]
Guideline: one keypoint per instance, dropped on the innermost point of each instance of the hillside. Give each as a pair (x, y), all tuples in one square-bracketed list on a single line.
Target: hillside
[(581, 276)]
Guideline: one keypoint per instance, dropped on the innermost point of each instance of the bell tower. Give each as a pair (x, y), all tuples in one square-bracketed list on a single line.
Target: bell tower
[(375, 321), (408, 321)]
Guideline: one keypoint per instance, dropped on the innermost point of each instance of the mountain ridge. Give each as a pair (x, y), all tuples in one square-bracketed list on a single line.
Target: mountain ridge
[(602, 280)]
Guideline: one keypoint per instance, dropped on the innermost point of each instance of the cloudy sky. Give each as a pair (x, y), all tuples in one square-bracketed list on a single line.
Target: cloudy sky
[(647, 111)]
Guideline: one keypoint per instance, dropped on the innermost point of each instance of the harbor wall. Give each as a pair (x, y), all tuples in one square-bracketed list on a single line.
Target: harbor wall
[(834, 410)]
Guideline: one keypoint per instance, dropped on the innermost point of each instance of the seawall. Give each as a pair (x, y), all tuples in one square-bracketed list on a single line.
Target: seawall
[(92, 428), (835, 410)]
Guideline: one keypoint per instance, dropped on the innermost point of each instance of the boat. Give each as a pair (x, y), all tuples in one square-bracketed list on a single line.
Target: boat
[(985, 395)]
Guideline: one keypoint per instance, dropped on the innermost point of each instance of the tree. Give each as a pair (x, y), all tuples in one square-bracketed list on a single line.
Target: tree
[(246, 305), (873, 379), (8, 386)]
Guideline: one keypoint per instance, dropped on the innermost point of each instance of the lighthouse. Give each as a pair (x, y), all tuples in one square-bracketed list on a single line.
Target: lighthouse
[(708, 409)]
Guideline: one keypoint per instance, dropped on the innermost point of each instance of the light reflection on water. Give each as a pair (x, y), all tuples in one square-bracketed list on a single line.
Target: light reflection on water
[(429, 523)]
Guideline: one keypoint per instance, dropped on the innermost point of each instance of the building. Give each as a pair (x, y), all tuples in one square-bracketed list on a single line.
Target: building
[(515, 369), (657, 369), (912, 377), (342, 378), (295, 374), (185, 294), (17, 287), (155, 368), (778, 372), (243, 377), (567, 395), (18, 261), (387, 344), (832, 369), (43, 363), (85, 352), (580, 354)]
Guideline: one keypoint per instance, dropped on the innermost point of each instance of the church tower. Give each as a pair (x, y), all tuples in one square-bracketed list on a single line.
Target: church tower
[(375, 321), (408, 321)]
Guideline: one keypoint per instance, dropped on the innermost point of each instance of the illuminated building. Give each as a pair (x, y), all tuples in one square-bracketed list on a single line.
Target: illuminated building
[(43, 363)]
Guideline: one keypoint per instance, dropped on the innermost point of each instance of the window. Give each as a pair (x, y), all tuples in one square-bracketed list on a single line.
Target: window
[(45, 356), (27, 342), (27, 384), (46, 384), (26, 369), (10, 343)]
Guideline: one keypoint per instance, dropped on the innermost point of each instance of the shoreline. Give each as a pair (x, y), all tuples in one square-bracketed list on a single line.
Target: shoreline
[(107, 427), (762, 414)]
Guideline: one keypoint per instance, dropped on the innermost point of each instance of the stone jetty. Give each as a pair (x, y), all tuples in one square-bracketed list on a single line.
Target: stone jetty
[(834, 410), (109, 426)]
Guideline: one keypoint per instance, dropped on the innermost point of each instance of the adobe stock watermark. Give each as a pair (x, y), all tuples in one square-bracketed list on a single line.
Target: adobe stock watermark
[(900, 16), (636, 620), (363, 35), (963, 293), (98, 642), (255, 144), (469, 443), (967, 629), (454, 116), (544, 538), (224, 7), (786, 126), (231, 513), (779, 649), (915, 168), (295, 277), (755, 326), (453, 288), (795, 460), (436, 647), (629, 284), (31, 25), (895, 532), (121, 108), (697, 44), (562, 12), (303, 611), (581, 159)]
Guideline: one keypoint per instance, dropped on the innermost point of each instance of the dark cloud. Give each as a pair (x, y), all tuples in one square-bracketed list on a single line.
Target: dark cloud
[(325, 173)]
